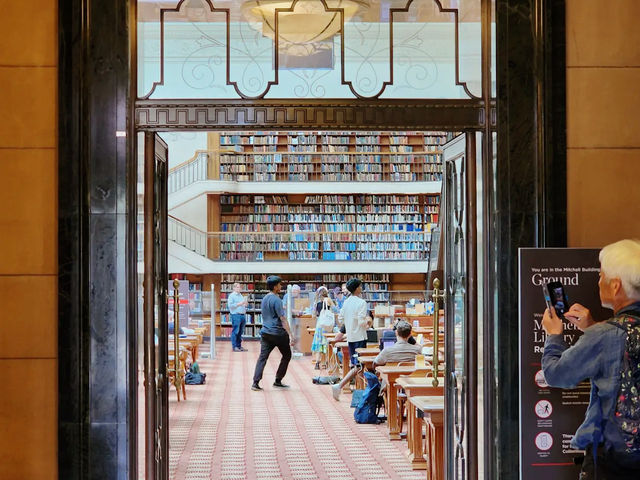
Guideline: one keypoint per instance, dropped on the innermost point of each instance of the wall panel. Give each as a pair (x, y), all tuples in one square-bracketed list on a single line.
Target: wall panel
[(29, 240), (603, 71)]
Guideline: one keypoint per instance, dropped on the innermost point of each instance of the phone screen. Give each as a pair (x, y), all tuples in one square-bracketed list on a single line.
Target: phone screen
[(547, 298), (558, 297)]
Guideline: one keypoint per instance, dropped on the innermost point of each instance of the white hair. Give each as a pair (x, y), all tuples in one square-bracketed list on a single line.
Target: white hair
[(622, 260), (295, 287)]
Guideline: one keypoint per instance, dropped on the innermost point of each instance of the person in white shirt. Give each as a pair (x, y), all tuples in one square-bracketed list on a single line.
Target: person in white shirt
[(354, 316)]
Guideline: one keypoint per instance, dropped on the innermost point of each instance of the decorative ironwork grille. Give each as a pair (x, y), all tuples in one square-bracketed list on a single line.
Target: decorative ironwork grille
[(309, 49)]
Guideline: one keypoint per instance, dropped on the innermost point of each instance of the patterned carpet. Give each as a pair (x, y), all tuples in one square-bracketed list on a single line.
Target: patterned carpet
[(226, 431)]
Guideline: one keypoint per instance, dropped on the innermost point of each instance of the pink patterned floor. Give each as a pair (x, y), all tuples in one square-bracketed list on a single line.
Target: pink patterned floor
[(226, 431)]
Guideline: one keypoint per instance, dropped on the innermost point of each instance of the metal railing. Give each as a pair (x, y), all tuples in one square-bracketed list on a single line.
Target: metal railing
[(194, 170), (187, 236)]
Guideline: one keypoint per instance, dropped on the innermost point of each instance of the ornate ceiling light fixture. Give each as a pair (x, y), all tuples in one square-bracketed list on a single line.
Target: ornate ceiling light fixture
[(309, 22)]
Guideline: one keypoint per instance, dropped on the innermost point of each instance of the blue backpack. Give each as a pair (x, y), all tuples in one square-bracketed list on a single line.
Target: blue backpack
[(627, 414), (366, 411)]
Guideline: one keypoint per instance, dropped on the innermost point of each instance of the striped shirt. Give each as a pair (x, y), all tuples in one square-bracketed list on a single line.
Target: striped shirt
[(401, 351)]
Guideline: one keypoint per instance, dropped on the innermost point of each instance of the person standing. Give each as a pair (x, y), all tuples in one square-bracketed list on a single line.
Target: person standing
[(275, 333), (320, 345), (295, 314), (340, 297), (608, 354), (237, 305), (354, 316)]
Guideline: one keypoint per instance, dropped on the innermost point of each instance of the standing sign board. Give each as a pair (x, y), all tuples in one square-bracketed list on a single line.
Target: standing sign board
[(183, 290), (549, 417)]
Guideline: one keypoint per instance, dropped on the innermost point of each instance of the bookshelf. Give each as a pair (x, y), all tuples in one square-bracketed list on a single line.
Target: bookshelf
[(376, 289), (326, 227), (330, 156)]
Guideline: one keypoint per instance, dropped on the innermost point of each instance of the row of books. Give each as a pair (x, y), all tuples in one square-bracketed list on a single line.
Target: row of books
[(368, 256), (252, 199), (372, 246), (333, 203), (371, 199), (334, 237), (368, 174), (309, 155)]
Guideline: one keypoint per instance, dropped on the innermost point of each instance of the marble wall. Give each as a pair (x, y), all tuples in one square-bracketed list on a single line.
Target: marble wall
[(28, 240), (603, 121)]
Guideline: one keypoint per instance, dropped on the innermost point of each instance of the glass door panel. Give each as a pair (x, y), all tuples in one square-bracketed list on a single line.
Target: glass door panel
[(461, 451)]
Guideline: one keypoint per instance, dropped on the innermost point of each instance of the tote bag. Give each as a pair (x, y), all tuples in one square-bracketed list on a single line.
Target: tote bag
[(326, 320)]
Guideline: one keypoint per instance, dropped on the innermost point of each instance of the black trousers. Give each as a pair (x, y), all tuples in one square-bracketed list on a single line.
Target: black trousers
[(267, 344), (607, 468)]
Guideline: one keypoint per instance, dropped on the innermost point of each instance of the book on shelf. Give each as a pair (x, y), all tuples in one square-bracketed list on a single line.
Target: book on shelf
[(346, 151), (395, 223)]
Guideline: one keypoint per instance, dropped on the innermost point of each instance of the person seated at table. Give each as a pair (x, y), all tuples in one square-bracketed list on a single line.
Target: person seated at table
[(389, 336), (319, 345), (402, 350)]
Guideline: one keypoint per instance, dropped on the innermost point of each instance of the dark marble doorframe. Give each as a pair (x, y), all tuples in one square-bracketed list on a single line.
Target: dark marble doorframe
[(97, 200), (530, 208)]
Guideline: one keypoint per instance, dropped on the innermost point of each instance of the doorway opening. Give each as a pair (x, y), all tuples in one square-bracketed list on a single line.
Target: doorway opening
[(316, 208), (325, 161)]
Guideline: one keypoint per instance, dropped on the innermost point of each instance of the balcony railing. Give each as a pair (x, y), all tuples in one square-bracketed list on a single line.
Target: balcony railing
[(187, 236), (194, 170)]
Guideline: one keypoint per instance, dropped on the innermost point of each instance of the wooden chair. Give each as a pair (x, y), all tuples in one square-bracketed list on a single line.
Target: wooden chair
[(179, 382), (402, 397)]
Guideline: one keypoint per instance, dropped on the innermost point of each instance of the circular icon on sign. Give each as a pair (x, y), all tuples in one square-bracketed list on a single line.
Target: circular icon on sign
[(543, 408), (540, 381), (544, 441)]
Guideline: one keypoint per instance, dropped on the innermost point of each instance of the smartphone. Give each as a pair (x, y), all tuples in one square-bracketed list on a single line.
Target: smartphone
[(547, 298), (558, 298)]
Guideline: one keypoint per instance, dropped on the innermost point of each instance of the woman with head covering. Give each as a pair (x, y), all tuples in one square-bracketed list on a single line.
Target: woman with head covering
[(322, 302)]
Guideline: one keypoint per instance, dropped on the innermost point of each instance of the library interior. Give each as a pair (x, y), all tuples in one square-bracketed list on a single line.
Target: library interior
[(317, 208), (284, 239)]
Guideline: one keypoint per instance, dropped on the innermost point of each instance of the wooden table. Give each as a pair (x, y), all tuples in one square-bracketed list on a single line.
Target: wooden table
[(367, 352), (390, 373), (190, 342), (431, 410), (413, 387)]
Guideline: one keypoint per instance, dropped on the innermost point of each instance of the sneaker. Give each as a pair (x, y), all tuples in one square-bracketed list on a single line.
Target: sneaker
[(335, 391), (236, 349), (242, 349), (256, 387), (279, 384)]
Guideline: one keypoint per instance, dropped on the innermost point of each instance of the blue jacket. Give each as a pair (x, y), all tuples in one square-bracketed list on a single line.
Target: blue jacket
[(597, 355)]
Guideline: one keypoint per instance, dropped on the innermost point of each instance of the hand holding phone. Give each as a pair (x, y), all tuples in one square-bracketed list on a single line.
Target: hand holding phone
[(558, 298), (547, 298)]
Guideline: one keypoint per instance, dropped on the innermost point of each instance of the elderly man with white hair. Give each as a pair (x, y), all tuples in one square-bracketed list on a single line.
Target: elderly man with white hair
[(608, 354)]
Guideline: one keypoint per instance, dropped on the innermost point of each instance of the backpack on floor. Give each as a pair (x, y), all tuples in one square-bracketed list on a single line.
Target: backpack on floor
[(326, 380), (627, 414), (191, 378), (366, 411)]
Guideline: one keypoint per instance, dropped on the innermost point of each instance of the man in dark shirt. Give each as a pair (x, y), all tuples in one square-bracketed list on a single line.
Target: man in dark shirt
[(275, 332)]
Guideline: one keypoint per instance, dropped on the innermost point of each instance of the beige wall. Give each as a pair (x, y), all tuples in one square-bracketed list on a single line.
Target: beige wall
[(603, 121), (28, 240)]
